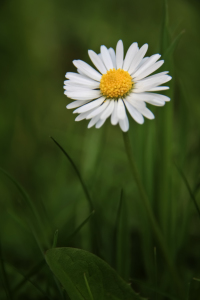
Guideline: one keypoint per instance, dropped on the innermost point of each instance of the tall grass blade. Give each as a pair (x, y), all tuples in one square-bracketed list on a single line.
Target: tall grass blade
[(37, 287), (30, 274), (77, 172), (121, 240), (156, 272), (55, 239), (188, 188), (28, 203), (69, 238)]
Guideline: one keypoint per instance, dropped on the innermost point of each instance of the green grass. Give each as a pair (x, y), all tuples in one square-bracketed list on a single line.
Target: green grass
[(68, 192)]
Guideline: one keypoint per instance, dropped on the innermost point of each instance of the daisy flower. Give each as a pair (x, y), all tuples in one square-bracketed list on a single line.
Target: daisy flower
[(120, 85)]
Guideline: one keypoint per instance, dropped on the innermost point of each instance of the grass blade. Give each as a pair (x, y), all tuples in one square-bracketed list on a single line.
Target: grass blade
[(80, 226), (28, 203), (30, 274), (188, 188), (77, 172)]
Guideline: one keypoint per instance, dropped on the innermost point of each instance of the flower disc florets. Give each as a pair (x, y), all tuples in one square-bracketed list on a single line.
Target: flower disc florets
[(116, 83)]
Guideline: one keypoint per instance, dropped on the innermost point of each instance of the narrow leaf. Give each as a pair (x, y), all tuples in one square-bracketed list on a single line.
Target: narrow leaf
[(188, 188), (77, 172)]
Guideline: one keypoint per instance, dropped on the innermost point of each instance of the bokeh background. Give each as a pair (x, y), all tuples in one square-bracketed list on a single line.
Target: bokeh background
[(38, 41)]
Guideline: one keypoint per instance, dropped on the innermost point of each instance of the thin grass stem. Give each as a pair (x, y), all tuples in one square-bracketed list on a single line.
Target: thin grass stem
[(152, 219), (78, 174), (88, 287)]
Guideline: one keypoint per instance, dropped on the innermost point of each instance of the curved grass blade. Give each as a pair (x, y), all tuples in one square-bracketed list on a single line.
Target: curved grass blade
[(188, 188), (169, 51), (30, 205), (30, 274), (77, 172), (80, 227), (36, 286)]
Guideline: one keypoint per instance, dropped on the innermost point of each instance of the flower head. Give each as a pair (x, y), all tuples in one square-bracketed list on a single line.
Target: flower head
[(120, 84)]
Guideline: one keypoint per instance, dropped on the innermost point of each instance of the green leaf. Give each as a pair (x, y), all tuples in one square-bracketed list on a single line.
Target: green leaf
[(72, 266)]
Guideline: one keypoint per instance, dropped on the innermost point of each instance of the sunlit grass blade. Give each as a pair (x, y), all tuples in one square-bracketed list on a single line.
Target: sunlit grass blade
[(5, 280), (88, 287), (69, 238), (188, 188), (78, 174)]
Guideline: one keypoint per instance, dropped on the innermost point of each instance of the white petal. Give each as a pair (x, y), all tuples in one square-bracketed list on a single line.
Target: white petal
[(81, 72), (106, 58), (108, 111), (76, 88), (138, 58), (76, 103), (156, 102), (114, 117), (87, 69), (148, 96), (146, 113), (100, 123), (133, 49), (137, 103), (97, 61), (113, 56), (80, 79), (83, 95), (158, 88), (83, 115), (70, 83), (98, 110), (119, 54), (150, 70), (145, 85), (93, 121), (149, 62), (87, 107), (151, 80), (135, 114), (121, 112), (124, 124)]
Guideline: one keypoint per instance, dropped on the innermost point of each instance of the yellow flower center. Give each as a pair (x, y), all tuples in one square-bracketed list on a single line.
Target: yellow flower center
[(116, 83)]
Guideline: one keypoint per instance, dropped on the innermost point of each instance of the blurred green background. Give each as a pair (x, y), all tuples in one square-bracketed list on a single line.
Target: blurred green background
[(38, 41)]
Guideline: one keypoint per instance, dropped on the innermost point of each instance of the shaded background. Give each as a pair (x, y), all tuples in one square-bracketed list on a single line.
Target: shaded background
[(38, 41)]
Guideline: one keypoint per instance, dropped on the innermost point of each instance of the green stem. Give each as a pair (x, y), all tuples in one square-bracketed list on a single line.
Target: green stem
[(152, 219)]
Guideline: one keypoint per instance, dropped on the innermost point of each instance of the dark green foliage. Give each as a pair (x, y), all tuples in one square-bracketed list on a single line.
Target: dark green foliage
[(42, 190), (85, 276)]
